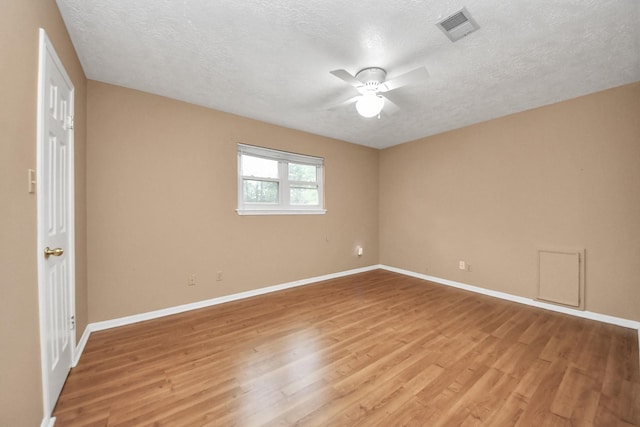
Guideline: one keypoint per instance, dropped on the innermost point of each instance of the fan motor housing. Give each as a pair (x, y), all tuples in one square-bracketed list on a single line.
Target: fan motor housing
[(372, 76)]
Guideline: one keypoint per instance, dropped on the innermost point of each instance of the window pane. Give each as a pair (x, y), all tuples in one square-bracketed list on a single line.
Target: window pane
[(260, 191), (303, 196), (259, 167), (306, 173)]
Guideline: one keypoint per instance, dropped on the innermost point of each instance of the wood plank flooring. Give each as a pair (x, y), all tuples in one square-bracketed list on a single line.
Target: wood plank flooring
[(373, 349)]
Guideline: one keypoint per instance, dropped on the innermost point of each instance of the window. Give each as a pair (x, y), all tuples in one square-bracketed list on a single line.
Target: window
[(274, 182)]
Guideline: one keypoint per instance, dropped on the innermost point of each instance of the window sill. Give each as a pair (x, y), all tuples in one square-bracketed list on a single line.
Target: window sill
[(281, 211)]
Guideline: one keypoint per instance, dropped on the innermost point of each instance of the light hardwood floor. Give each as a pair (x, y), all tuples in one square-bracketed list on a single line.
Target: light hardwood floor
[(373, 349)]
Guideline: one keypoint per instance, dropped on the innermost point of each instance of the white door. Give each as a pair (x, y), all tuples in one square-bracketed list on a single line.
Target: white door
[(55, 194)]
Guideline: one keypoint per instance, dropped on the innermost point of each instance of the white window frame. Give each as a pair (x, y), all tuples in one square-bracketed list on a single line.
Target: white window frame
[(283, 207)]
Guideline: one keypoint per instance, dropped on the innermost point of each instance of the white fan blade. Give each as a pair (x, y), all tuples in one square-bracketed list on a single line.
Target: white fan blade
[(345, 76), (414, 77), (389, 106), (345, 102)]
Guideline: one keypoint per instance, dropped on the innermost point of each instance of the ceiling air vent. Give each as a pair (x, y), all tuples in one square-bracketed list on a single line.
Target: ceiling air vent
[(458, 25)]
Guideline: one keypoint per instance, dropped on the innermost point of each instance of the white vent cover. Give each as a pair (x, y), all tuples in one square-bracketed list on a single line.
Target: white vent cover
[(458, 25)]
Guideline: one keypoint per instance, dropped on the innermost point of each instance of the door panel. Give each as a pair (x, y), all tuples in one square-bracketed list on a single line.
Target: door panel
[(55, 222)]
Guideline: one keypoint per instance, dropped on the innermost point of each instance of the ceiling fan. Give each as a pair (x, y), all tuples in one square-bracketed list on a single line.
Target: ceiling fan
[(371, 84)]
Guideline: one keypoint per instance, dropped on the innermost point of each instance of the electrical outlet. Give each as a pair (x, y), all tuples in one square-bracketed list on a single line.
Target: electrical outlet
[(462, 265), (219, 276), (191, 280)]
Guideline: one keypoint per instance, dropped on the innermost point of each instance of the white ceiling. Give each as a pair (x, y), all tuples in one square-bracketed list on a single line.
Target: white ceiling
[(270, 59)]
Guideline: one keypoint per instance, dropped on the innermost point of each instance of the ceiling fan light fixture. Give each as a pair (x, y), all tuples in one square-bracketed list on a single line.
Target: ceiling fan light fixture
[(369, 104)]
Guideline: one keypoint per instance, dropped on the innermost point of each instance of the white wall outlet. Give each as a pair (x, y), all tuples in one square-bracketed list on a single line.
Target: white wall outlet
[(359, 251), (191, 280), (462, 265), (219, 276)]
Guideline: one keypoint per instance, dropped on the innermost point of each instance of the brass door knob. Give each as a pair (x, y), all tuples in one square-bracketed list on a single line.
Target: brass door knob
[(54, 252)]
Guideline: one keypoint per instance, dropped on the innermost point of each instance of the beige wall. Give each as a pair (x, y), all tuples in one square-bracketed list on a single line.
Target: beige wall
[(162, 194), (20, 375), (561, 177)]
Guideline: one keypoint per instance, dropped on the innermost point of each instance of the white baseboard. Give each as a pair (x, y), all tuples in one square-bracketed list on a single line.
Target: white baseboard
[(80, 346), (522, 300), (48, 422), (128, 320)]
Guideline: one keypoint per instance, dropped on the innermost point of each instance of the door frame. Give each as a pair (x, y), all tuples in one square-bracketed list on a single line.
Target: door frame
[(46, 49)]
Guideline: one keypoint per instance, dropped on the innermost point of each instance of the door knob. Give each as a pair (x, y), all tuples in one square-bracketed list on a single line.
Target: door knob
[(54, 252)]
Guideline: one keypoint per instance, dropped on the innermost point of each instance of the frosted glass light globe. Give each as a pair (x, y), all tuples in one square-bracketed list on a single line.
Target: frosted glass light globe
[(369, 104)]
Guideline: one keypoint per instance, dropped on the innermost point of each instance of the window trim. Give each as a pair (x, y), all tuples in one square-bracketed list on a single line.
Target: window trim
[(282, 207)]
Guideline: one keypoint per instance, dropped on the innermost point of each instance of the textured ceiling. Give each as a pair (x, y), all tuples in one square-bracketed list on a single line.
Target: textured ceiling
[(270, 59)]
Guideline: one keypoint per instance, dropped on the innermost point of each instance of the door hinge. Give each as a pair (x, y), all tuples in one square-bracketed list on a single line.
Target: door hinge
[(70, 122), (73, 322)]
